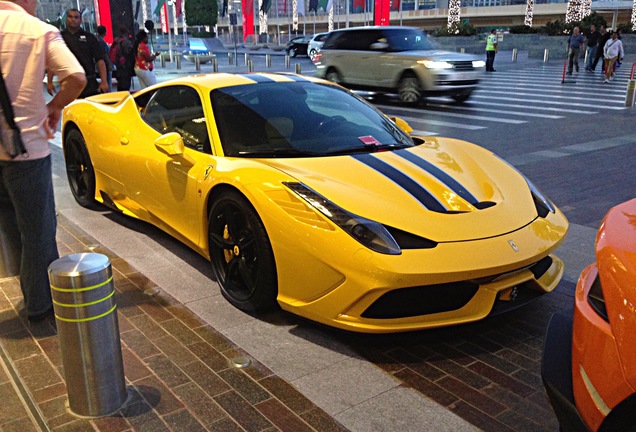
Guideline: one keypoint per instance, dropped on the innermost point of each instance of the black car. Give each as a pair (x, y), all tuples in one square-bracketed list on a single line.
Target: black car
[(298, 45)]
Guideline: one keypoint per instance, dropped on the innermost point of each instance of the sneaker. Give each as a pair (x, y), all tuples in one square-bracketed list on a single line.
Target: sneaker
[(569, 73), (606, 81)]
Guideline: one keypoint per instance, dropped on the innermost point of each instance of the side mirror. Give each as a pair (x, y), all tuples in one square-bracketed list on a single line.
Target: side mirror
[(170, 143), (402, 124)]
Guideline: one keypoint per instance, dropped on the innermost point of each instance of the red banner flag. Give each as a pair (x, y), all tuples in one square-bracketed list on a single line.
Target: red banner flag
[(248, 19), (382, 12)]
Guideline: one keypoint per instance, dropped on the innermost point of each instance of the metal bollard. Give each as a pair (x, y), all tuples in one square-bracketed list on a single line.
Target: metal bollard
[(197, 63), (268, 60), (178, 61), (247, 58), (250, 66), (546, 55), (163, 60), (88, 332), (215, 65), (298, 68), (287, 62), (514, 54), (462, 50), (230, 58), (629, 96)]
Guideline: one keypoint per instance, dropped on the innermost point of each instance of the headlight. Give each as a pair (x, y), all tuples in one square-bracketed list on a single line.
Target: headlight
[(479, 64), (430, 64), (543, 204), (371, 234)]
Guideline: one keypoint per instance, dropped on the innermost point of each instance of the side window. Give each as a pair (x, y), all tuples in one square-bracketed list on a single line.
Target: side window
[(179, 109)]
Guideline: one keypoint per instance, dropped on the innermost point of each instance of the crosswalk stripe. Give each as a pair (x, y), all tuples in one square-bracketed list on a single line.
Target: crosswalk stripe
[(428, 122), (466, 116), (490, 110), (538, 101), (542, 108)]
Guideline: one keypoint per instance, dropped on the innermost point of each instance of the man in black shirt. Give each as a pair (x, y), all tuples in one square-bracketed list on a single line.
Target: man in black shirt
[(603, 38), (592, 42), (88, 52)]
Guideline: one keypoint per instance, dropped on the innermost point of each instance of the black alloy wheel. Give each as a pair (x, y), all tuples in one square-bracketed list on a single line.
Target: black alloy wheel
[(241, 255), (79, 169)]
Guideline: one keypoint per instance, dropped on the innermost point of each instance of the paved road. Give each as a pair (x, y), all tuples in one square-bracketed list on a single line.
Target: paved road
[(575, 141)]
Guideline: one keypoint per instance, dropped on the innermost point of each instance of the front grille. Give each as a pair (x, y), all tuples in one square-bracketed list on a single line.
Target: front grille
[(463, 65), (422, 300)]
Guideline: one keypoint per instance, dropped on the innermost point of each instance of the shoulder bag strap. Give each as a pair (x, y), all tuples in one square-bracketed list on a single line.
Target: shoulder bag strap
[(5, 101)]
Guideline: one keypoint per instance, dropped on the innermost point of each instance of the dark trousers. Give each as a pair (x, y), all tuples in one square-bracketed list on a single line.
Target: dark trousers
[(490, 60), (92, 87), (597, 57), (573, 59), (27, 206)]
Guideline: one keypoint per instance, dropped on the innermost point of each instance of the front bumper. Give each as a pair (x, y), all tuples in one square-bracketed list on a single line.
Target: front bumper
[(556, 372)]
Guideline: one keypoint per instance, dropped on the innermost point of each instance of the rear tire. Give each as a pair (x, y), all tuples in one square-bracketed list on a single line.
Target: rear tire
[(409, 90), (79, 169), (333, 76)]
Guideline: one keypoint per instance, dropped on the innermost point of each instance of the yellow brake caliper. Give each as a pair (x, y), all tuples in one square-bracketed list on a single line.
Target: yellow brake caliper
[(228, 253)]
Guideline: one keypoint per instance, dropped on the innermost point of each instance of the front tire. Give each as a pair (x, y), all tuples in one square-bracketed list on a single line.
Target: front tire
[(79, 169), (241, 254), (409, 90), (460, 98), (293, 52)]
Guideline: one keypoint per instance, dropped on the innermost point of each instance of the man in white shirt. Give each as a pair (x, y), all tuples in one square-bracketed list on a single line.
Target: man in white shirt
[(28, 47), (612, 51)]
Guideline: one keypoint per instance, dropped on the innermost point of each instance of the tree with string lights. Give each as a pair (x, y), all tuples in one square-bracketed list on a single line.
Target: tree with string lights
[(454, 11)]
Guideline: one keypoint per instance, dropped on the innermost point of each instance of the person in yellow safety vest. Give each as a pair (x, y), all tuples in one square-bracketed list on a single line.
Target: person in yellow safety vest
[(491, 50)]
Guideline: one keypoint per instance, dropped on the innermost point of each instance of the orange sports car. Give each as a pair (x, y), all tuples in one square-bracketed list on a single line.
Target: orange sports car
[(591, 381)]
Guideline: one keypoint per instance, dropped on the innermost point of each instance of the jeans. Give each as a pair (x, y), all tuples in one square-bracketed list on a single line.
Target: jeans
[(27, 205), (573, 59), (591, 53)]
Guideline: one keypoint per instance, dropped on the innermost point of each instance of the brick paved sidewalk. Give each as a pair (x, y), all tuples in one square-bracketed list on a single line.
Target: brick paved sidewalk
[(181, 374)]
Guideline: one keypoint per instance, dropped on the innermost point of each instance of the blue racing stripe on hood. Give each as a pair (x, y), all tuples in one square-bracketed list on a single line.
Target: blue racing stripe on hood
[(405, 182), (439, 174), (257, 78)]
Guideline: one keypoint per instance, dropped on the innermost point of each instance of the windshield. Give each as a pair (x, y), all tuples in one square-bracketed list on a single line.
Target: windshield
[(300, 119), (408, 40)]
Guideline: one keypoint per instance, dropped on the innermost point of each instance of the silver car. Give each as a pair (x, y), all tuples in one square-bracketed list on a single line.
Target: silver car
[(316, 43), (399, 60)]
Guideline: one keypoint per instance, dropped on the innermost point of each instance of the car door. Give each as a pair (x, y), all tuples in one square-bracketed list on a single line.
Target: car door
[(358, 61), (166, 185)]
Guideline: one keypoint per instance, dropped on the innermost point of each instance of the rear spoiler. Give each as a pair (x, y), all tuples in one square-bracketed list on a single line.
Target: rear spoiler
[(112, 98)]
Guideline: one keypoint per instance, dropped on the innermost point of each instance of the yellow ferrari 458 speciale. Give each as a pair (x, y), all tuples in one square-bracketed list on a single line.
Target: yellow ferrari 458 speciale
[(304, 195)]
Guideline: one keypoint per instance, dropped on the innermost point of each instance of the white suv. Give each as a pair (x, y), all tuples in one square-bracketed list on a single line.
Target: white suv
[(398, 60), (316, 43)]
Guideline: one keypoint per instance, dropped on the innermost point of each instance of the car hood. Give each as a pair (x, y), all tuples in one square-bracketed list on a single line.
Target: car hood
[(422, 189)]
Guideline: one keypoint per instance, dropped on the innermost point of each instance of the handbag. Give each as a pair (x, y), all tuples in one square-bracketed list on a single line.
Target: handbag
[(11, 144)]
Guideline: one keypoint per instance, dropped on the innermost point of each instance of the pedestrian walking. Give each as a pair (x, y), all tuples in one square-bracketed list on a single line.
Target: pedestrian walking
[(605, 36), (612, 52), (101, 33), (122, 56), (592, 42), (491, 50), (28, 47), (575, 42), (85, 47), (144, 61)]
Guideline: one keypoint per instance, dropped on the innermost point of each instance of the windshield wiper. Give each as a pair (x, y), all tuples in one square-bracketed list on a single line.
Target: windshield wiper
[(276, 153), (369, 148)]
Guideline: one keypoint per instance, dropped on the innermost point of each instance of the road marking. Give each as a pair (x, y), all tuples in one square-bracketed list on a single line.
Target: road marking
[(540, 101), (490, 110), (426, 121)]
